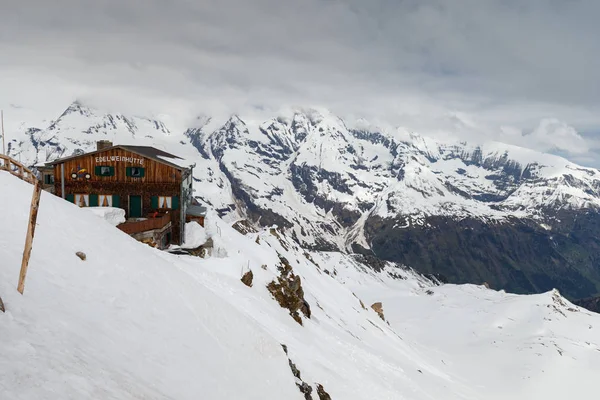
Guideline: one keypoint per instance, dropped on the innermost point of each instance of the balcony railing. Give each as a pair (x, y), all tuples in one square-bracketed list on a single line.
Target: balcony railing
[(17, 169), (145, 225)]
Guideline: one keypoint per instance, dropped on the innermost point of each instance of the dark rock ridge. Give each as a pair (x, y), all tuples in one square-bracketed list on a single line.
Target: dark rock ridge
[(516, 255), (591, 303)]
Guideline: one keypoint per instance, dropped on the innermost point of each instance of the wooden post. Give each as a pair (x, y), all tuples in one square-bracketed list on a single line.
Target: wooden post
[(35, 203)]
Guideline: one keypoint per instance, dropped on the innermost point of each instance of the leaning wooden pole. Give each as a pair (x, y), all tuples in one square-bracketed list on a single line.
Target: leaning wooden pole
[(35, 204)]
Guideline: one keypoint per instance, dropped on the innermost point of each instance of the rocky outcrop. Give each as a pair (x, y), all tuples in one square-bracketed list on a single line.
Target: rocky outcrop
[(2, 305), (378, 308), (247, 278), (304, 387), (288, 292), (323, 395), (244, 227)]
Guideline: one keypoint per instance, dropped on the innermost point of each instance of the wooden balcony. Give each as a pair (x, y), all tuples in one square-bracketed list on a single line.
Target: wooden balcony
[(151, 223)]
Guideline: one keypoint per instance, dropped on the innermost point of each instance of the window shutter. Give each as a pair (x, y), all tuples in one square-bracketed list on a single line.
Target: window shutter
[(128, 171), (112, 171), (175, 203), (93, 200), (116, 201), (142, 172), (154, 202), (97, 170), (70, 197)]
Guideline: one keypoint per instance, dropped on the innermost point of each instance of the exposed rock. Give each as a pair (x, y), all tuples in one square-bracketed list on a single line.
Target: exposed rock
[(592, 304), (202, 251), (362, 305), (247, 278), (273, 231), (309, 258), (295, 370), (305, 389), (288, 292), (2, 305), (323, 395), (198, 252), (244, 226), (81, 255), (378, 308), (302, 386)]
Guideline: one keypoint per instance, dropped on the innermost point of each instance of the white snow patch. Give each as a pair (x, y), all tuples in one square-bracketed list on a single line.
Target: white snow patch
[(112, 215), (195, 235)]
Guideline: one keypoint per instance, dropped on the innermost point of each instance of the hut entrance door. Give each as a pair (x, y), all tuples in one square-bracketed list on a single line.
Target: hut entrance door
[(135, 206)]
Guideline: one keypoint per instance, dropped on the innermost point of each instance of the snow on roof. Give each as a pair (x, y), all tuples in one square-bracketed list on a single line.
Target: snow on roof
[(178, 161)]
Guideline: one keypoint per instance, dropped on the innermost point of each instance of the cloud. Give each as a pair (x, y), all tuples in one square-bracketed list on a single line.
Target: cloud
[(464, 67), (554, 135), (550, 135)]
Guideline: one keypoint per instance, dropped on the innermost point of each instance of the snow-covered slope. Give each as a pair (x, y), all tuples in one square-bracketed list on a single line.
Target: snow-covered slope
[(133, 322), (123, 324)]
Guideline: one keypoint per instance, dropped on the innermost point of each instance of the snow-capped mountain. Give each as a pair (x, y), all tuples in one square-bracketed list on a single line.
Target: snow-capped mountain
[(515, 218), (78, 129)]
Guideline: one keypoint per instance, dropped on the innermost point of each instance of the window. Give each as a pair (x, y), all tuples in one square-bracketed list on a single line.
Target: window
[(105, 200), (48, 179), (165, 201), (135, 172), (169, 202), (82, 200), (104, 170)]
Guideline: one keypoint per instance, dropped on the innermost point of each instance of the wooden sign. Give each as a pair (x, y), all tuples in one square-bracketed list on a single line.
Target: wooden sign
[(106, 159)]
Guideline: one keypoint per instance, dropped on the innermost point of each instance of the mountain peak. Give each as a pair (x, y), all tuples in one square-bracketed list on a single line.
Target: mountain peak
[(77, 107)]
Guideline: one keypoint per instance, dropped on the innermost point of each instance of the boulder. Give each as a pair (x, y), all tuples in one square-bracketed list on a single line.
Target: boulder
[(247, 278), (378, 308)]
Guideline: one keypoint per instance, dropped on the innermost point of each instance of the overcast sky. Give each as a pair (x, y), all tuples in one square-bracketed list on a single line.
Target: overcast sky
[(524, 72)]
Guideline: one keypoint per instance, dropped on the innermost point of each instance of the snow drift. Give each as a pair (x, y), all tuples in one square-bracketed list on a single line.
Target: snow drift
[(124, 324)]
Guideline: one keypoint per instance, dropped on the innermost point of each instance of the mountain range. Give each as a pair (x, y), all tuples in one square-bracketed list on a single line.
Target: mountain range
[(514, 218)]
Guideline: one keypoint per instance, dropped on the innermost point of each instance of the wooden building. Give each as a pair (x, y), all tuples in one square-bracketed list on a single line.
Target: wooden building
[(46, 176), (146, 182)]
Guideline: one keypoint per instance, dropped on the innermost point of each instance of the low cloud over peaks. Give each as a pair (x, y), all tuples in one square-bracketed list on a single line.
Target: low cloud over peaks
[(408, 63)]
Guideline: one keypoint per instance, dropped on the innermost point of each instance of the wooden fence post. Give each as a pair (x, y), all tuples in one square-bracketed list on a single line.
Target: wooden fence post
[(35, 203)]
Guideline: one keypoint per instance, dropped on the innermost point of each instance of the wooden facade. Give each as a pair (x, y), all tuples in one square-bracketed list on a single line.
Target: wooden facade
[(133, 178), (46, 174)]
